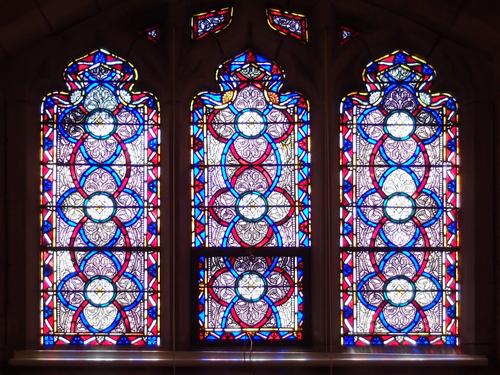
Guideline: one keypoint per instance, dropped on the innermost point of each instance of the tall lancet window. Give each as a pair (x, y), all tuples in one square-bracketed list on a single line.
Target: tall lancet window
[(399, 206), (250, 203), (100, 208)]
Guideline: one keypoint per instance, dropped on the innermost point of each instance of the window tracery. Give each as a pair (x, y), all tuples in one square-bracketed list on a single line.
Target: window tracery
[(250, 189), (100, 208), (399, 208)]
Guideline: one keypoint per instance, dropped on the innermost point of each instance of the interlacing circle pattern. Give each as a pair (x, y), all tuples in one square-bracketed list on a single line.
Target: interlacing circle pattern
[(399, 195), (250, 189), (400, 188), (252, 295), (251, 166), (400, 291), (399, 167), (250, 160), (109, 208), (105, 204)]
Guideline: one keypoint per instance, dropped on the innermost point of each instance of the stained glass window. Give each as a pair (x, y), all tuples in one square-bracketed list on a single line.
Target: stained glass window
[(250, 159), (346, 33), (100, 208), (261, 296), (212, 22), (287, 23), (399, 205), (153, 34), (250, 189)]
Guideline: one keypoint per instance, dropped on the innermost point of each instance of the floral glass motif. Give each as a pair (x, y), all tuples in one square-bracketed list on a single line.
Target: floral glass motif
[(153, 34), (346, 33), (287, 23), (399, 205), (100, 208), (250, 159), (212, 22), (247, 296), (250, 188)]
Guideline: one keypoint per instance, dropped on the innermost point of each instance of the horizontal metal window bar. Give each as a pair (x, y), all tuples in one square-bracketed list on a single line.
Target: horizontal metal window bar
[(233, 123), (112, 249), (386, 249), (382, 124), (399, 165), (55, 207), (249, 164)]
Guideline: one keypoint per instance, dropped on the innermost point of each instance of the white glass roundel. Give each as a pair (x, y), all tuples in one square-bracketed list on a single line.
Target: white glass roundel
[(101, 124), (100, 291), (399, 291), (251, 123), (399, 207), (250, 286), (99, 207), (252, 206), (400, 125)]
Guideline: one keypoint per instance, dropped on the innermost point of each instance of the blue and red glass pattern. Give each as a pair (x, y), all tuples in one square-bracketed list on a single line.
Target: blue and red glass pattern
[(250, 159), (250, 189), (252, 296), (100, 208), (288, 23), (399, 208), (153, 34), (212, 22), (346, 33)]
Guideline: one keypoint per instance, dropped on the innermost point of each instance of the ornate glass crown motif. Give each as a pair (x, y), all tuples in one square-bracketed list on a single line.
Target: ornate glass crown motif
[(203, 24), (288, 23)]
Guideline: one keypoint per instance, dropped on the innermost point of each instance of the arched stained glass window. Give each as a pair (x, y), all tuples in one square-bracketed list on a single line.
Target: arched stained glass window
[(399, 206), (100, 208), (250, 189)]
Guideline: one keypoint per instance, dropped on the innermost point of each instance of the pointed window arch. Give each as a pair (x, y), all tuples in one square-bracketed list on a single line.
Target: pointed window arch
[(250, 191), (399, 208), (100, 208)]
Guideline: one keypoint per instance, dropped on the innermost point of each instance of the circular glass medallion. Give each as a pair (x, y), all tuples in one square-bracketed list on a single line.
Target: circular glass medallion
[(251, 286), (399, 207), (400, 125), (100, 291), (250, 123), (100, 124), (399, 291), (251, 206), (99, 207)]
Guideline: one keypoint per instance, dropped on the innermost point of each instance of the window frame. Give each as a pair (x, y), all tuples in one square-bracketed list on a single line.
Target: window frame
[(335, 64)]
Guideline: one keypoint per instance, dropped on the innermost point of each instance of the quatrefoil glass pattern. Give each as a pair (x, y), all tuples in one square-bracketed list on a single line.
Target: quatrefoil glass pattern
[(100, 207), (250, 189), (399, 208), (250, 156), (257, 296)]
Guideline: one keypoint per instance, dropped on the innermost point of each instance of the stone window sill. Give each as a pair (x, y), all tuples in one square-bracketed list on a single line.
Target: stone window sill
[(351, 358)]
